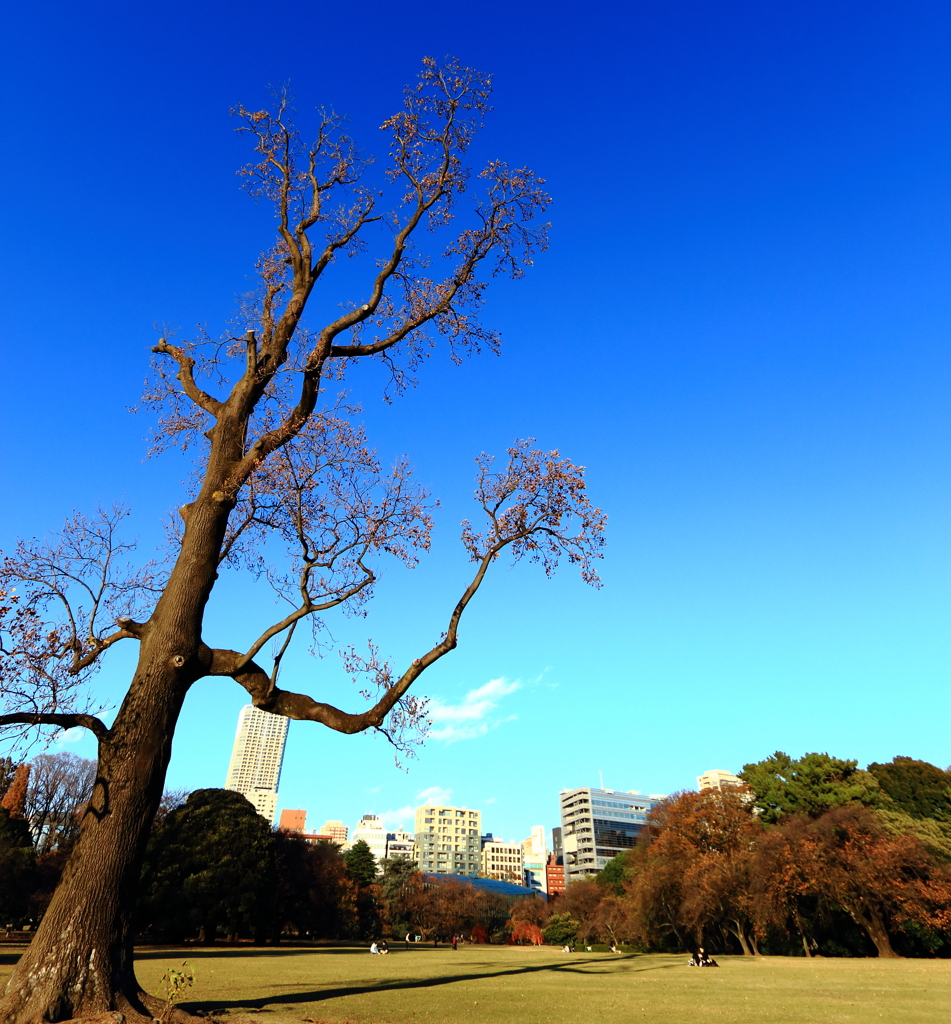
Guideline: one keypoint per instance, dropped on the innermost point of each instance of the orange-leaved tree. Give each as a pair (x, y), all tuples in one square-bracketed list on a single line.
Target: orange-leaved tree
[(692, 874), (279, 460)]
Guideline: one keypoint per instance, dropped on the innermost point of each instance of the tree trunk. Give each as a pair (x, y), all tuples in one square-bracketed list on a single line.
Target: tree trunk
[(802, 934), (740, 933), (80, 962), (874, 926)]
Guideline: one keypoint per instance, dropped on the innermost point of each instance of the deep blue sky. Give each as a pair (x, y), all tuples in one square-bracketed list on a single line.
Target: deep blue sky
[(741, 328)]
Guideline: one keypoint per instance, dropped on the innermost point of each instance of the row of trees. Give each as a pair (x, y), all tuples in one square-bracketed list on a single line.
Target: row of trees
[(215, 868), (813, 855), (40, 805)]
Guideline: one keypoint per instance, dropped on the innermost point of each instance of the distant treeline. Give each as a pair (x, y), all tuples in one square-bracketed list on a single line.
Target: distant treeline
[(811, 856)]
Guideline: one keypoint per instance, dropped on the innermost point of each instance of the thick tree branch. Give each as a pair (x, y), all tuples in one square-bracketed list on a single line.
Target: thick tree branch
[(65, 721), (186, 375), (300, 707)]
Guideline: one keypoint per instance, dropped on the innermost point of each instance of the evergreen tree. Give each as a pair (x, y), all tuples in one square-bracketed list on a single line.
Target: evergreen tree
[(400, 890), (811, 784), (360, 863), (562, 929), (614, 874), (918, 788), (207, 866)]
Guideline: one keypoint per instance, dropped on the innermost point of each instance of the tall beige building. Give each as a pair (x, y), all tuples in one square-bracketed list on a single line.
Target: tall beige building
[(448, 840), (336, 830), (256, 759)]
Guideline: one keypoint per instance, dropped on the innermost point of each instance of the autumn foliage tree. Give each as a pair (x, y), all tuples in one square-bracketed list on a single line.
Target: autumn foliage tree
[(280, 460), (882, 882), (692, 876)]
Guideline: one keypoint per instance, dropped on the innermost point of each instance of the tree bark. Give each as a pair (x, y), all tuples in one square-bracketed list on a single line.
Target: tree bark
[(740, 933), (80, 962), (874, 926)]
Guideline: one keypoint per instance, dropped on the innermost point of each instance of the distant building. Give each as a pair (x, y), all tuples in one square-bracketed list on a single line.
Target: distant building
[(717, 778), (535, 857), (503, 862), (293, 821), (557, 846), (598, 824), (401, 844), (256, 758), (370, 829), (336, 830), (554, 877), (447, 840)]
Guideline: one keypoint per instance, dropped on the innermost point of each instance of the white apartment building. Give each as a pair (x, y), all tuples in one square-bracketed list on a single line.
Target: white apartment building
[(447, 840), (535, 858), (256, 758), (401, 844), (717, 778), (503, 861), (370, 829)]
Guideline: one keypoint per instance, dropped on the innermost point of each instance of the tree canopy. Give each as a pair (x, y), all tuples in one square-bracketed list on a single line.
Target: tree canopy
[(203, 867), (918, 788), (286, 486), (811, 784), (360, 863)]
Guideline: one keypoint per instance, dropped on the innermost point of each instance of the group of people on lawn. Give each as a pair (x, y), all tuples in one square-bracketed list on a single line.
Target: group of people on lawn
[(699, 959)]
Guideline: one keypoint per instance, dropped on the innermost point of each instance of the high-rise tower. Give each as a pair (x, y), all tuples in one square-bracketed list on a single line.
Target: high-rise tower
[(256, 759), (598, 824)]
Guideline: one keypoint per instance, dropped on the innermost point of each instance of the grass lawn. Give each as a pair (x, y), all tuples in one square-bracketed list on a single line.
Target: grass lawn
[(543, 986)]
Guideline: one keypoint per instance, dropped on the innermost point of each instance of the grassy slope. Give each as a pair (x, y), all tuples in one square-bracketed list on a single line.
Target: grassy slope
[(542, 986)]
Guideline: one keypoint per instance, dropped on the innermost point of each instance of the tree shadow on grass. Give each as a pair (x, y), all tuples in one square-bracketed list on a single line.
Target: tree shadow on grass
[(225, 953), (571, 967)]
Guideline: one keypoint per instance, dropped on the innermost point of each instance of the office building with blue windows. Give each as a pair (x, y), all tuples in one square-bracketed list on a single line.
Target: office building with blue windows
[(598, 824)]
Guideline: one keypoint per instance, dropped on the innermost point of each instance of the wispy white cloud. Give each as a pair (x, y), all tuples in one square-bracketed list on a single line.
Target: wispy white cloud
[(400, 817), (434, 795), (474, 715), (407, 815), (489, 800), (70, 735)]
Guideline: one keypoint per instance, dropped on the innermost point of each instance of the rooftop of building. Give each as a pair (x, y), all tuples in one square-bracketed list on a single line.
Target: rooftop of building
[(489, 885)]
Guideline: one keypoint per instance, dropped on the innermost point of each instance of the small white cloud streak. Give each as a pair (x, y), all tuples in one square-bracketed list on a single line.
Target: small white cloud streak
[(399, 817), (473, 715), (434, 795), (70, 735), (407, 815)]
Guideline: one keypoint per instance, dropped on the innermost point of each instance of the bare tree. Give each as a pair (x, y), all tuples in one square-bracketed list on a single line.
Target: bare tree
[(278, 459), (59, 786)]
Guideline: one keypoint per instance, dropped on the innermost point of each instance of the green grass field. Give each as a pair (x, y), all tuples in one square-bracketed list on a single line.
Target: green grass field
[(544, 986)]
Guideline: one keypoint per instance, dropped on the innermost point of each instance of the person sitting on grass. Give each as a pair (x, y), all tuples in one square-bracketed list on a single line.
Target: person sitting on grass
[(374, 948), (701, 959)]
